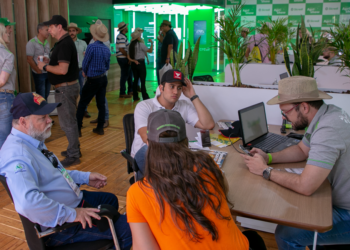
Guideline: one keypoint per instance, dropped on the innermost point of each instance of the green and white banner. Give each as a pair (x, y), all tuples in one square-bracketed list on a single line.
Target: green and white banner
[(319, 14)]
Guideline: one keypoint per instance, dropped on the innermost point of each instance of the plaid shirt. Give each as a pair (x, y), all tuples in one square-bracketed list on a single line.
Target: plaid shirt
[(96, 60)]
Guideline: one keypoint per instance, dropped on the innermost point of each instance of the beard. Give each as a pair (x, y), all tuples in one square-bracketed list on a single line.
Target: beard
[(301, 124), (39, 135), (73, 36)]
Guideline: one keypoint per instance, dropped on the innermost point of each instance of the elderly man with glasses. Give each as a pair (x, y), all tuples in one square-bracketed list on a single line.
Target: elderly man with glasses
[(326, 150), (42, 189)]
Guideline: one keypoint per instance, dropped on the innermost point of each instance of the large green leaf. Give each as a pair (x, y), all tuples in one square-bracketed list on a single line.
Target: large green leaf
[(287, 61)]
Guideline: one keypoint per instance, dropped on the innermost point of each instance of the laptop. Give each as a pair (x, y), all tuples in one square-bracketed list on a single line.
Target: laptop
[(255, 132)]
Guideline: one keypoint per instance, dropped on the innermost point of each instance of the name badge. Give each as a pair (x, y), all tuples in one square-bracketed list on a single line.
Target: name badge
[(69, 179)]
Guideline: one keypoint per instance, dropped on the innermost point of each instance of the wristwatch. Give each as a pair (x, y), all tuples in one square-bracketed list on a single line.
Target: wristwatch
[(44, 68), (267, 173)]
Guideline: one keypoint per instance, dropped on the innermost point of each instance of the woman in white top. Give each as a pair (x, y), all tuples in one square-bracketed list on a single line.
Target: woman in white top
[(7, 84), (136, 55)]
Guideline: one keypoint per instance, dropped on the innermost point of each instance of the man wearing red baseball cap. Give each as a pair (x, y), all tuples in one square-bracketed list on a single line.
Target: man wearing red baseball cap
[(173, 83)]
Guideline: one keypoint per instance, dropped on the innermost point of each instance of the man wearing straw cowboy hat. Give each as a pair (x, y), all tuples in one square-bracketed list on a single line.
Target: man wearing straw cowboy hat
[(122, 47), (326, 149), (95, 66), (81, 46)]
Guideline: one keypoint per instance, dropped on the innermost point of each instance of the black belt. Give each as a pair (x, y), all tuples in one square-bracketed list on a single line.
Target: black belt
[(95, 77), (80, 69), (140, 60)]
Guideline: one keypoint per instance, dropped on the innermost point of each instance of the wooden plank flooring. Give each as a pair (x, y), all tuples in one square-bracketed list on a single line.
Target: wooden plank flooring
[(100, 154)]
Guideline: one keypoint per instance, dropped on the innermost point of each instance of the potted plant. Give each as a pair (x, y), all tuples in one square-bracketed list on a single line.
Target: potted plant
[(340, 42), (232, 43), (186, 65), (278, 33), (306, 52)]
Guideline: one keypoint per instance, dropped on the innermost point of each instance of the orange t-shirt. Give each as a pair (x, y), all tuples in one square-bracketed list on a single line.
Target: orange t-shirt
[(142, 206)]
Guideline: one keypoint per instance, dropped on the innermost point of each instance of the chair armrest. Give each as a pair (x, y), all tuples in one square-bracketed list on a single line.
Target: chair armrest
[(54, 229), (127, 156), (130, 159)]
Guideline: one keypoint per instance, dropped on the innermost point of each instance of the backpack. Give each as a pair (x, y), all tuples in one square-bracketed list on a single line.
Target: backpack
[(255, 55)]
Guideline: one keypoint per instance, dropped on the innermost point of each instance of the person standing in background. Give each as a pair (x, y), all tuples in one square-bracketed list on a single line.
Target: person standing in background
[(7, 83), (122, 46), (160, 38), (63, 72), (108, 45), (39, 46), (81, 46), (8, 25), (95, 65), (136, 54), (170, 42)]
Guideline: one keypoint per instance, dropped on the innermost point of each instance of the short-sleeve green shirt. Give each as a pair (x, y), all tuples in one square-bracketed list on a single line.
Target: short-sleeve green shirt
[(7, 64)]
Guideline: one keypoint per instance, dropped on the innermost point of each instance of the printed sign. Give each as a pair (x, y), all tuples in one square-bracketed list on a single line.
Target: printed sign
[(331, 8), (314, 9), (296, 9), (345, 8), (248, 10), (328, 20), (313, 21), (296, 1), (264, 2), (264, 10), (280, 9), (294, 20)]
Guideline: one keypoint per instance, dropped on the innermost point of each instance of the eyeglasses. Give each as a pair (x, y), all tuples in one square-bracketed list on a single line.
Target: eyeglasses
[(284, 114), (51, 157)]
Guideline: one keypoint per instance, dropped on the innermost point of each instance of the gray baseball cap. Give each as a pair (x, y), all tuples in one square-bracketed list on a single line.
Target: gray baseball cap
[(163, 120)]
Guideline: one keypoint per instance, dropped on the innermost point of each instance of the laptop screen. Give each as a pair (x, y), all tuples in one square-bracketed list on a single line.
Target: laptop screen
[(253, 122)]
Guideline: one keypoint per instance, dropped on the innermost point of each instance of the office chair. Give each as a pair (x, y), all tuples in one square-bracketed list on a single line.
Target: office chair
[(129, 132), (35, 240), (205, 78)]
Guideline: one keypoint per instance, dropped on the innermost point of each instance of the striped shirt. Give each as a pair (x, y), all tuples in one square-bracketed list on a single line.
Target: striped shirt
[(122, 42), (96, 60)]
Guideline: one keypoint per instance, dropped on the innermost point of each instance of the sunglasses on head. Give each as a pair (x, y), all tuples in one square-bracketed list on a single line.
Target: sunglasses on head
[(51, 157)]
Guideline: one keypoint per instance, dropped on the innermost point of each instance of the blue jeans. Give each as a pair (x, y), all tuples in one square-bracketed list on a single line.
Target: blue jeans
[(42, 85), (125, 75), (78, 234), (6, 101), (140, 158), (293, 238), (91, 88)]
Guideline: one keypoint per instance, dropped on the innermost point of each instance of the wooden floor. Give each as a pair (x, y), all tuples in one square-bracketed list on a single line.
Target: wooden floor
[(100, 154)]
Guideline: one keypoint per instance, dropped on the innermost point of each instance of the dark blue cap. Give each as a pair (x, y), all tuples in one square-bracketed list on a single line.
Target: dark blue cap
[(31, 104)]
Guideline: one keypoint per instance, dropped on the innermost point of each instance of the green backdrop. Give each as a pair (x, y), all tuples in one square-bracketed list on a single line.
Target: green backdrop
[(319, 14)]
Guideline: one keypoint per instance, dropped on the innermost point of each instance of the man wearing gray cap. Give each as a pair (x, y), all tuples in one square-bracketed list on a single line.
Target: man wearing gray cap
[(326, 150)]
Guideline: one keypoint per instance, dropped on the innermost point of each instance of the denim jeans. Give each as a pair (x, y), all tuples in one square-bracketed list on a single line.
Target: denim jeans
[(91, 88), (6, 100), (140, 158), (139, 72), (78, 234), (293, 238), (42, 85), (68, 95), (125, 75)]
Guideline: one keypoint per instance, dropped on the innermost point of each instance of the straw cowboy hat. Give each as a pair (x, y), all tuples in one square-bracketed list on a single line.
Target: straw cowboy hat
[(135, 35), (99, 31), (298, 89), (75, 26), (122, 25)]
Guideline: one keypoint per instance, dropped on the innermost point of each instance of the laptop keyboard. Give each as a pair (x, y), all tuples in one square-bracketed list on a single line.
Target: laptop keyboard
[(271, 141)]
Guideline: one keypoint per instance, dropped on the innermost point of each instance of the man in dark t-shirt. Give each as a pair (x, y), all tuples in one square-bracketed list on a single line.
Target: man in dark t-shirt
[(170, 42), (63, 73)]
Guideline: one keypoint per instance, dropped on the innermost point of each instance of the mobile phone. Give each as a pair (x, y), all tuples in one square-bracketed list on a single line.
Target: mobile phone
[(245, 150)]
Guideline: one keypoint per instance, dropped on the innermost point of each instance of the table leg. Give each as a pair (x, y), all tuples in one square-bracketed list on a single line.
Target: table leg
[(315, 241)]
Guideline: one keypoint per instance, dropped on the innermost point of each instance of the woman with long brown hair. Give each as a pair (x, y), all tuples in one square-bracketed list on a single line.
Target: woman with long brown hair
[(181, 202)]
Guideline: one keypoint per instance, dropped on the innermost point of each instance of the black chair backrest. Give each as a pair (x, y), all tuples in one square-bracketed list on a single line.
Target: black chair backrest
[(34, 243), (205, 78), (129, 132)]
